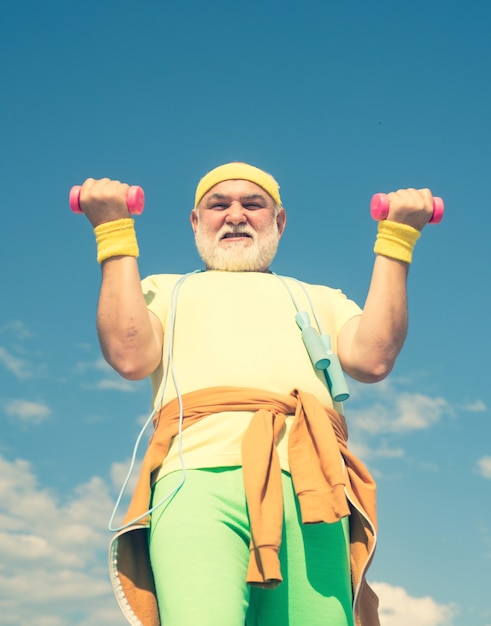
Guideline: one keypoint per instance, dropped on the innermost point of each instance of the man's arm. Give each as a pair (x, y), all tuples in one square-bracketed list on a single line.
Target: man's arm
[(131, 337), (368, 345)]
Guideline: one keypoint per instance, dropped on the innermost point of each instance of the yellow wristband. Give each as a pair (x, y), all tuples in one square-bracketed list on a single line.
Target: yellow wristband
[(116, 238), (396, 240)]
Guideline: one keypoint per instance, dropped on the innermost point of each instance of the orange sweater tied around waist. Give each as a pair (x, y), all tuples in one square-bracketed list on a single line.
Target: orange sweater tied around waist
[(329, 481)]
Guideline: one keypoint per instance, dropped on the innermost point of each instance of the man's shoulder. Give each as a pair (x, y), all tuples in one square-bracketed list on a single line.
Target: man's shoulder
[(162, 277), (160, 283), (311, 287)]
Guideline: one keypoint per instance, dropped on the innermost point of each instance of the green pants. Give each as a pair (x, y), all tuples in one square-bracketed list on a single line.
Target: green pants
[(199, 549)]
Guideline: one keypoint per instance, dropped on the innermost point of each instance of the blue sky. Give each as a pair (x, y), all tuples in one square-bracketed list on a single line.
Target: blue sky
[(339, 100)]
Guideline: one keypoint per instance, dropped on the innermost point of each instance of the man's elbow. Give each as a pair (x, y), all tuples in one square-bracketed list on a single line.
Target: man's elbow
[(133, 368), (132, 373), (371, 373)]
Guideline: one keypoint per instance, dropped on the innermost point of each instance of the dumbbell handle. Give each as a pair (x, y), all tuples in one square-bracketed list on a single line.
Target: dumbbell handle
[(379, 208), (135, 199)]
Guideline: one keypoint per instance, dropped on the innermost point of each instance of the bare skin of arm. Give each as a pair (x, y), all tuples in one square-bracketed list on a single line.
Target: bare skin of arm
[(131, 337), (368, 345)]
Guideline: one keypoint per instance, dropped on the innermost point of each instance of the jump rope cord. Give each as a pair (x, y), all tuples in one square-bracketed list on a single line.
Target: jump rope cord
[(168, 366), (307, 295)]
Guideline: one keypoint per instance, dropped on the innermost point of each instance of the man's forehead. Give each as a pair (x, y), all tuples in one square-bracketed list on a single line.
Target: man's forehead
[(241, 189)]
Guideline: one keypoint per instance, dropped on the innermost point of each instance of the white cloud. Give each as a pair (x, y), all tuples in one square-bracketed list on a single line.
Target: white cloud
[(14, 357), (388, 407), (475, 407), (110, 380), (416, 411), (53, 552), (18, 328), (484, 467), (385, 451), (379, 415), (119, 472), (117, 384), (400, 413), (21, 368), (27, 412), (99, 364), (398, 608)]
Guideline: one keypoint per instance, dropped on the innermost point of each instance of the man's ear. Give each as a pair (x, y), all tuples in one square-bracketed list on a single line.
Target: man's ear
[(193, 218), (281, 220)]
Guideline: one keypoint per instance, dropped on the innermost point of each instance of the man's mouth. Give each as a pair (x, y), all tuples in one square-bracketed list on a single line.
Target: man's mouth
[(236, 236)]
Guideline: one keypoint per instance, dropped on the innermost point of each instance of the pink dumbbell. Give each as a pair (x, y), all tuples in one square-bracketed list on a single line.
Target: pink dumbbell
[(379, 208), (135, 199)]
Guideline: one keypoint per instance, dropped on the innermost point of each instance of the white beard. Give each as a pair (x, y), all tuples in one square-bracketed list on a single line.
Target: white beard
[(248, 254)]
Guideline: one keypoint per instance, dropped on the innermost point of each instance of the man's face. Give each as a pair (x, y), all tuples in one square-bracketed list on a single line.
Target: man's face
[(237, 227)]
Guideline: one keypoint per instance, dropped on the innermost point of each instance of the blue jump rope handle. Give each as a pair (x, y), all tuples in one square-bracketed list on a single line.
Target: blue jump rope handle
[(336, 381), (312, 341), (334, 374), (323, 358), (315, 348)]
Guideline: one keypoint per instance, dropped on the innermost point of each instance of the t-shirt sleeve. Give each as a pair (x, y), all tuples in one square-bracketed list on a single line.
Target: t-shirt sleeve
[(334, 309), (157, 291), (346, 310)]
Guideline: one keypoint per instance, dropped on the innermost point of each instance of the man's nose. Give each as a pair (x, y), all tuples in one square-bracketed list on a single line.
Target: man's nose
[(236, 214)]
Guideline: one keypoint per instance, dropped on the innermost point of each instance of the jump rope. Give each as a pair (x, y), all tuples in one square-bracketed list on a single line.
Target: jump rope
[(316, 342)]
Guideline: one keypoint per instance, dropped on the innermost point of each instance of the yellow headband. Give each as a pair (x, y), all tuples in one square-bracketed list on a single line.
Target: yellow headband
[(238, 171)]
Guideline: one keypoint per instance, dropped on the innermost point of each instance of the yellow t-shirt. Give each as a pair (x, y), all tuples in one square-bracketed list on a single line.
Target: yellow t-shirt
[(237, 329)]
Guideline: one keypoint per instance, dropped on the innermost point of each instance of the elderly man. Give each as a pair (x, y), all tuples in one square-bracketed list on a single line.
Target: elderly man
[(249, 509)]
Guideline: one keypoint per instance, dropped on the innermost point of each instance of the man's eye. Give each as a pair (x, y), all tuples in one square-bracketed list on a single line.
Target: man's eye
[(252, 205), (218, 206)]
